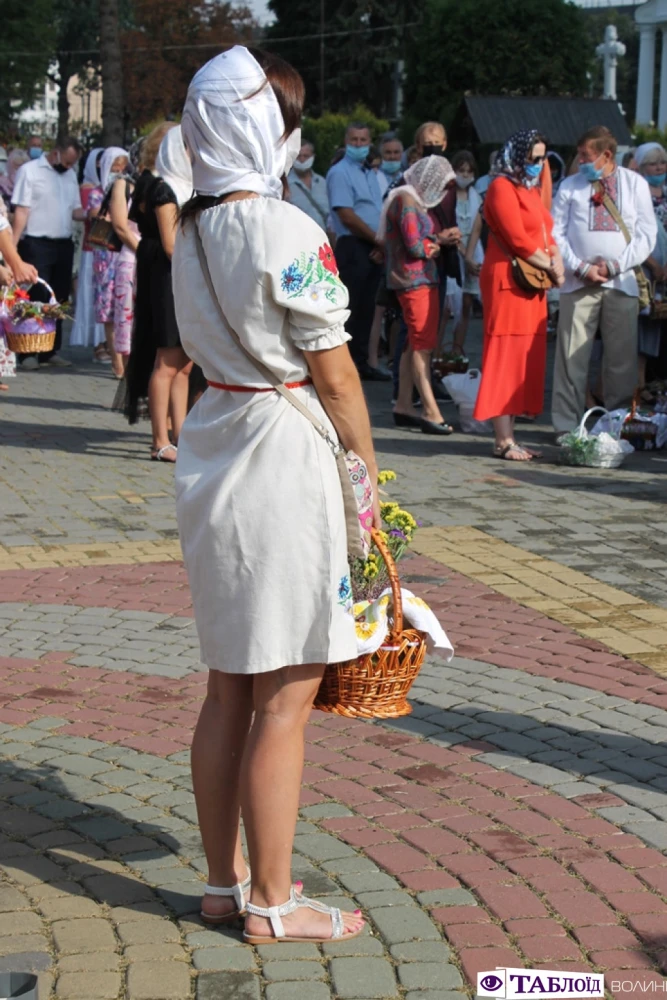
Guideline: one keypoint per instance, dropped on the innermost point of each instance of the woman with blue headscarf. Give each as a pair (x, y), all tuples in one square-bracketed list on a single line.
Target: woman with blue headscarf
[(515, 321)]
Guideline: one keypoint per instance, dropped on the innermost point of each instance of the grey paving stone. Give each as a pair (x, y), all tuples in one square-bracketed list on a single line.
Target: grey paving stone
[(446, 897), (403, 923), (389, 897), (364, 944), (421, 951), (232, 985), (298, 991), (363, 978), (429, 975), (654, 833), (434, 995), (277, 971), (77, 764), (285, 952), (224, 959), (373, 882)]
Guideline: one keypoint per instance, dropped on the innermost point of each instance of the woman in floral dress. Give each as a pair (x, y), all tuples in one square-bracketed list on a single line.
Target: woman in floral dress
[(114, 162)]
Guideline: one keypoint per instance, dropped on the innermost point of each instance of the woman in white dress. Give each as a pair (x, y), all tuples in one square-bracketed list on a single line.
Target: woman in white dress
[(85, 331), (468, 204), (259, 502)]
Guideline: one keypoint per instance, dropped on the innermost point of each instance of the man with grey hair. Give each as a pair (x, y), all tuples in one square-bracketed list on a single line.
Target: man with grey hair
[(308, 190), (356, 203)]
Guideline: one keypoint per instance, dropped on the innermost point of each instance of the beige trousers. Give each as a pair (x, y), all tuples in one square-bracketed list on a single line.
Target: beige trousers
[(582, 313)]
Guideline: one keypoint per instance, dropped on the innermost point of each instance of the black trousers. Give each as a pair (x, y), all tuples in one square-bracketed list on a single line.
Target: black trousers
[(54, 260), (361, 277)]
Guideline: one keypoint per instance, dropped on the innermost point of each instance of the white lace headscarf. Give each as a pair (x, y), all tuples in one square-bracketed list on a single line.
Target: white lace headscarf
[(173, 165), (235, 139), (110, 154), (91, 172), (426, 181)]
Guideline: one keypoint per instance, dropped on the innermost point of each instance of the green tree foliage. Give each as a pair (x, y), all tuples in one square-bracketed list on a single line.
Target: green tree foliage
[(76, 39), (24, 28), (521, 47), (327, 132), (364, 40)]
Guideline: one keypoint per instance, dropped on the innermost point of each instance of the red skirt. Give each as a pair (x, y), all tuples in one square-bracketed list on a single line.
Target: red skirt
[(513, 370)]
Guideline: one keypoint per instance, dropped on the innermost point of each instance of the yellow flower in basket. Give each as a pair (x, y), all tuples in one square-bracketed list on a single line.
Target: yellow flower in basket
[(385, 476)]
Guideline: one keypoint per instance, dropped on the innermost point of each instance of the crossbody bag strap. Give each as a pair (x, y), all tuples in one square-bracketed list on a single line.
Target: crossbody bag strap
[(309, 195), (612, 208), (266, 372)]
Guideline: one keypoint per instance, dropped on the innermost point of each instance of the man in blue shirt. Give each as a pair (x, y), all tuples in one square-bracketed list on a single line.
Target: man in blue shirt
[(356, 203)]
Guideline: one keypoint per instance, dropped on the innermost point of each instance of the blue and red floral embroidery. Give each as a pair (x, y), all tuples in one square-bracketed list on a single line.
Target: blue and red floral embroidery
[(313, 275)]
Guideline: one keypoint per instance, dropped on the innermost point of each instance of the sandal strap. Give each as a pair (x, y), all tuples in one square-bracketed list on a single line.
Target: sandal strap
[(167, 447), (295, 902), (238, 891)]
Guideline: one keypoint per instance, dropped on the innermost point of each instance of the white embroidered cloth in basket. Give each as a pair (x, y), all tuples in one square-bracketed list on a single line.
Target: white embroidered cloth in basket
[(372, 623)]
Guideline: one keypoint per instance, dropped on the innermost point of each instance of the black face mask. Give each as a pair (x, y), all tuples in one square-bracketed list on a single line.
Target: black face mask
[(431, 149), (60, 168)]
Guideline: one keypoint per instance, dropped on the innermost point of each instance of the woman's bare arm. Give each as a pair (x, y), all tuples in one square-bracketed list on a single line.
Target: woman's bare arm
[(338, 386), (167, 216), (118, 215)]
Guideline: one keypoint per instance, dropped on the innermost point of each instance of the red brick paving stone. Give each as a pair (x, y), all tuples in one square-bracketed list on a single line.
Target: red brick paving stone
[(656, 878), (467, 824), (474, 960), (549, 949), (580, 908), (501, 845), (636, 902), (348, 792), (452, 915), (345, 823), (436, 841), (603, 938), (476, 880), (559, 808), (415, 797), (308, 797), (431, 878), (463, 864), (530, 868), (446, 811), (546, 927), (621, 960), (607, 876), (366, 838), (476, 936), (374, 810), (404, 821), (429, 774), (650, 928), (399, 858), (506, 902), (617, 842), (555, 883)]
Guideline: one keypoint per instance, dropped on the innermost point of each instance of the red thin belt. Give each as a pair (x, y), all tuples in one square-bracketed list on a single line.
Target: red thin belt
[(250, 388)]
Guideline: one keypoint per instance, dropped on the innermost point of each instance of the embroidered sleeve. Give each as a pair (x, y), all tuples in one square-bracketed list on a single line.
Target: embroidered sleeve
[(309, 287)]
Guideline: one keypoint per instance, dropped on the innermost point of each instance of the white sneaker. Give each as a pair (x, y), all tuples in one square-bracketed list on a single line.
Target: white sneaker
[(29, 364), (59, 362)]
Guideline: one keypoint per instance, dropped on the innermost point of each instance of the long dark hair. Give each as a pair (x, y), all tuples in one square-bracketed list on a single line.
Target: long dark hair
[(290, 92)]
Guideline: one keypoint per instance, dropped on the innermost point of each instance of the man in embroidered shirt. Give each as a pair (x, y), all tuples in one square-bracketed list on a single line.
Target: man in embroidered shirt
[(600, 290)]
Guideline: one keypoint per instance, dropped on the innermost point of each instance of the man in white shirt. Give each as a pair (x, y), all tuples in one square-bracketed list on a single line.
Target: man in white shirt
[(600, 290), (46, 200)]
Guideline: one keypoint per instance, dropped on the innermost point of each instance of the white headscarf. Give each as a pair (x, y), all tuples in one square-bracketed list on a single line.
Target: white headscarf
[(173, 165), (426, 181), (91, 173), (236, 140), (108, 156), (642, 152)]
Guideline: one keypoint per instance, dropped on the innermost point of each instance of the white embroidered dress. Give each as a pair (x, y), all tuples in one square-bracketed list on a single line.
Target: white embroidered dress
[(259, 503)]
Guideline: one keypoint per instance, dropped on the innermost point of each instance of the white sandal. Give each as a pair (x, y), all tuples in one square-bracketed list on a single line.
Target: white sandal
[(158, 456), (274, 914), (240, 892)]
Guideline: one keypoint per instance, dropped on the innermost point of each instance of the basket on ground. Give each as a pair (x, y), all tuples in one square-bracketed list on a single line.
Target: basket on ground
[(602, 451), (375, 686), (32, 333)]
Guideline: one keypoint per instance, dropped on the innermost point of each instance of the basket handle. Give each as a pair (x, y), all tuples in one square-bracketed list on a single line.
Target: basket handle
[(394, 581), (587, 414), (29, 284)]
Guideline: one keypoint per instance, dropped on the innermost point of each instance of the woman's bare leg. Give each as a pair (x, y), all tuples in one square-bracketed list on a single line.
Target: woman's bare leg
[(217, 751), (116, 362), (168, 363), (503, 428), (270, 785), (421, 370), (178, 396), (406, 385)]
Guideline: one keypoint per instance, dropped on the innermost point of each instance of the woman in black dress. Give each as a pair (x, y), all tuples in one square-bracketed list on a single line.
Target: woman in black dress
[(159, 368)]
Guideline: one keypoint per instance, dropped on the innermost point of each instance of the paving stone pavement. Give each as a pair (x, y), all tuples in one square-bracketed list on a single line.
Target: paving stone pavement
[(516, 817)]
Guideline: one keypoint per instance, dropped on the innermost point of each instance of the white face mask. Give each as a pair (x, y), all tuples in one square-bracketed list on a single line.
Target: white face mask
[(303, 166), (292, 149), (464, 181)]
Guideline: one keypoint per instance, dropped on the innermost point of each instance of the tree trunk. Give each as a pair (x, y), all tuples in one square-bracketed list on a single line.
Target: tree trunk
[(112, 80)]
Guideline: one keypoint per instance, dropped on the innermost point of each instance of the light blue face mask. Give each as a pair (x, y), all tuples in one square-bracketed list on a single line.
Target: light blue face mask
[(533, 170), (657, 180), (35, 152), (357, 153), (591, 172), (391, 166)]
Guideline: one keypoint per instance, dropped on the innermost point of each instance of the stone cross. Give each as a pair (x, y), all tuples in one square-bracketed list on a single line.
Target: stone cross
[(610, 50)]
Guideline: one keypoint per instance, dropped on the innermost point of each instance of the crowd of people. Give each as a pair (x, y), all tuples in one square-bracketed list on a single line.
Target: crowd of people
[(217, 265)]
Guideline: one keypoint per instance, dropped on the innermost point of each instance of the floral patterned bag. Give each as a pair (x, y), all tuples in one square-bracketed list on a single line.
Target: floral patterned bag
[(355, 482)]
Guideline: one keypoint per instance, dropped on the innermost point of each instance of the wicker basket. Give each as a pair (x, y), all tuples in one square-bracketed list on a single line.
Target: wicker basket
[(31, 336), (375, 686)]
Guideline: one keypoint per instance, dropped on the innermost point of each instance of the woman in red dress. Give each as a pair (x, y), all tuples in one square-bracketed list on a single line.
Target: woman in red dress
[(515, 322)]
